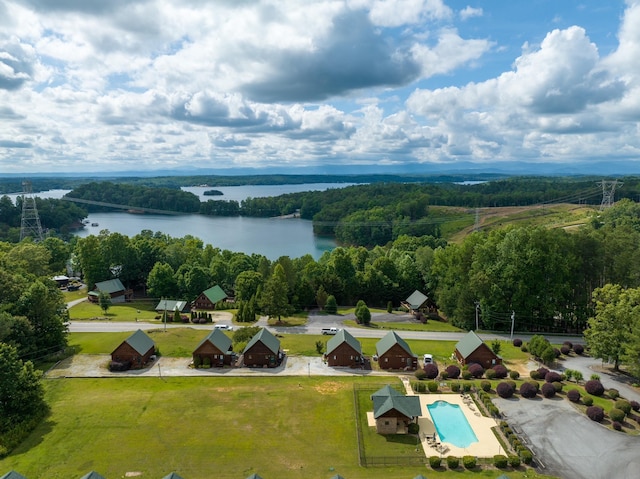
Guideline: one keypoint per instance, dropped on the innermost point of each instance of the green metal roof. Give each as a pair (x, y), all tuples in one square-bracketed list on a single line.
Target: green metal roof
[(468, 344), (388, 399), (173, 475), (111, 286), (389, 340), (254, 476), (343, 336), (13, 475), (218, 339), (140, 342), (92, 475), (417, 299), (170, 305), (268, 339), (215, 294)]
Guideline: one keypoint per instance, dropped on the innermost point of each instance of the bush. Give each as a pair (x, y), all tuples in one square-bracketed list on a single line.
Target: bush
[(453, 462), (505, 390), (568, 344), (587, 400), (564, 349), (413, 428), (514, 461), (501, 371), (524, 348), (548, 390), (578, 348), (617, 414), (557, 386), (594, 387), (431, 371), (490, 374), (534, 375), (613, 393), (453, 371), (623, 405), (419, 387), (444, 375), (469, 462), (500, 461), (595, 413), (466, 387), (485, 386), (420, 374), (535, 384), (635, 405), (617, 426), (517, 342), (528, 390), (526, 456), (455, 387), (553, 377), (557, 353), (476, 370), (542, 372), (466, 375), (434, 462), (514, 375), (573, 395), (432, 386)]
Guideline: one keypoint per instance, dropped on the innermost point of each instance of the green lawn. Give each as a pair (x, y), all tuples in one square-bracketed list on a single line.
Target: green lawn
[(430, 326), (142, 310), (205, 428)]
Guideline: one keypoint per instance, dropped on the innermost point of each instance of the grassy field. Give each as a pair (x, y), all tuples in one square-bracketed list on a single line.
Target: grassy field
[(205, 428)]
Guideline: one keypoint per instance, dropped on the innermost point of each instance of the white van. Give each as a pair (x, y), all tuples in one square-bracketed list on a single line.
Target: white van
[(427, 359), (224, 327)]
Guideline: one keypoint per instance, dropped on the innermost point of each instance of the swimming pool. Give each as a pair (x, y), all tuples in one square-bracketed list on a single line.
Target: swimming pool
[(451, 424)]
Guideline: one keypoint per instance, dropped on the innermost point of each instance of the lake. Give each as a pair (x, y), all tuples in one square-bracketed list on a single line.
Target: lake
[(270, 237)]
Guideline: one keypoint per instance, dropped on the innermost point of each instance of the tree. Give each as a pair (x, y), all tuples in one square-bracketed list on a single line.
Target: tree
[(331, 306), (609, 332), (104, 300), (321, 297), (496, 346), (21, 394), (161, 281), (274, 300), (247, 284), (362, 313)]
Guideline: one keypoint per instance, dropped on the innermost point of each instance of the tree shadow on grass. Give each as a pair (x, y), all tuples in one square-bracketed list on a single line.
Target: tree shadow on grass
[(35, 438), (403, 439)]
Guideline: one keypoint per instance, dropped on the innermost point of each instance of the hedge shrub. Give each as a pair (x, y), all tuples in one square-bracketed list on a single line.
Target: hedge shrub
[(542, 372), (420, 374), (500, 461), (578, 348), (431, 371), (594, 387), (476, 370), (548, 390), (453, 462), (557, 386), (595, 413), (453, 371), (466, 375), (527, 390), (623, 405), (526, 456), (535, 375), (514, 375), (568, 344), (635, 405), (573, 395), (613, 393), (617, 426), (535, 384), (432, 386), (587, 400), (501, 371), (455, 387), (505, 390), (435, 461), (517, 342), (490, 373), (616, 414), (469, 462), (564, 349), (552, 377), (485, 385), (514, 461)]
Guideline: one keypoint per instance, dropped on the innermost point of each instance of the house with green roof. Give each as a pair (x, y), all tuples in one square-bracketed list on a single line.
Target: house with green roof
[(114, 288), (13, 475), (263, 351), (92, 475), (171, 305), (344, 350), (394, 353), (207, 299), (393, 411), (136, 350), (214, 350), (471, 349)]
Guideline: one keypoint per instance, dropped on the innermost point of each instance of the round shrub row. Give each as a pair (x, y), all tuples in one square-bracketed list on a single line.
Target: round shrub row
[(469, 462), (616, 414), (548, 390), (635, 405), (595, 413), (514, 461), (431, 371), (420, 374), (528, 390), (500, 371), (552, 377), (517, 342), (587, 400), (435, 461), (623, 405), (453, 371), (453, 462), (476, 370), (594, 387), (485, 385), (613, 393), (564, 349), (578, 348), (573, 395), (526, 456), (505, 390), (542, 372), (500, 461), (616, 425), (490, 373), (514, 375)]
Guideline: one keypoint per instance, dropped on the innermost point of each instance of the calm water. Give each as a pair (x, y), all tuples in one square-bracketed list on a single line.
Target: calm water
[(269, 237), (451, 424)]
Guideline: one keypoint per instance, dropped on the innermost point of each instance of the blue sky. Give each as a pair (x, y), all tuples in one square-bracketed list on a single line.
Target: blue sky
[(131, 85)]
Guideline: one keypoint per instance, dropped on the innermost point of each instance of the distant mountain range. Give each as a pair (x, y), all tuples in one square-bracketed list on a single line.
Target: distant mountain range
[(458, 169)]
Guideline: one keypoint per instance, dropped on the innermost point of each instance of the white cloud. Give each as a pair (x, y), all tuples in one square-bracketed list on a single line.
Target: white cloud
[(470, 12)]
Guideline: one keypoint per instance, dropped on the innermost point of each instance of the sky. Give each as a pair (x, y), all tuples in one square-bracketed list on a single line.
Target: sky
[(144, 85)]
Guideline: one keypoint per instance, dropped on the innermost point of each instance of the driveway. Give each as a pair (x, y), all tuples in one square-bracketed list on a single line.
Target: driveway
[(568, 443)]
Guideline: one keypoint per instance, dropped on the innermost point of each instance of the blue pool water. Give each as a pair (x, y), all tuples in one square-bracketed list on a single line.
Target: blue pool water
[(451, 424)]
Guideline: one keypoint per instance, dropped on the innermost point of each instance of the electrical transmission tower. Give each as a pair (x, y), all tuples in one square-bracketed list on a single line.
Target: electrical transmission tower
[(30, 224), (608, 191)]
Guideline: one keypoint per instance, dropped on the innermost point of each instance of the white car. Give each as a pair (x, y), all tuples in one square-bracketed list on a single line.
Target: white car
[(427, 359), (224, 327)]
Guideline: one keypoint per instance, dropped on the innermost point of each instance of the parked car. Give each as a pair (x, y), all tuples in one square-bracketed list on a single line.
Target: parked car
[(331, 331), (427, 359), (224, 327)]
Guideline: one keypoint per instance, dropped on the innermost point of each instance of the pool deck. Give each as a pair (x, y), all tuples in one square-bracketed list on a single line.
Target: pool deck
[(487, 445)]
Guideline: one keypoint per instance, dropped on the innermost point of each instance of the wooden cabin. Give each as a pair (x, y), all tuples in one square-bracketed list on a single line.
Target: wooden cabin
[(136, 350), (471, 349), (394, 353), (263, 351), (344, 350), (215, 349), (393, 411)]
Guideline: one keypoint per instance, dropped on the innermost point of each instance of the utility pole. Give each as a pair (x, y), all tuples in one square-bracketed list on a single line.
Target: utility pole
[(477, 303), (164, 316), (513, 320)]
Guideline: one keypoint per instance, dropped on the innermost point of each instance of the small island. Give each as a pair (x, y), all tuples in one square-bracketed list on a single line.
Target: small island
[(213, 193)]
